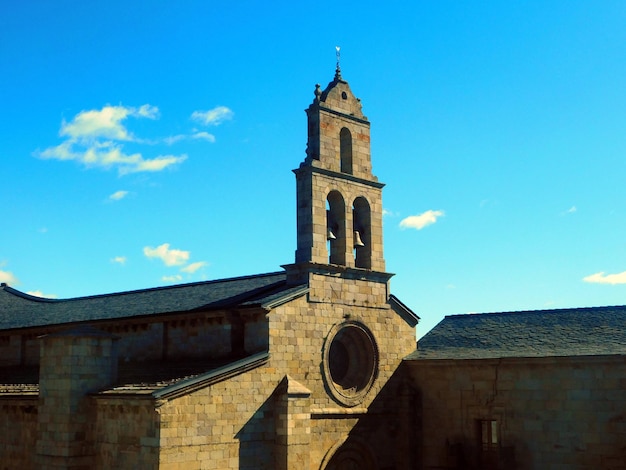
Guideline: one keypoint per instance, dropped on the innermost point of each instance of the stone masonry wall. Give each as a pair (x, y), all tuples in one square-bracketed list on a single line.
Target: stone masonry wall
[(126, 434), (198, 335), (551, 413), (348, 292), (73, 365), (232, 424), (298, 335), (227, 425), (18, 432), (10, 350)]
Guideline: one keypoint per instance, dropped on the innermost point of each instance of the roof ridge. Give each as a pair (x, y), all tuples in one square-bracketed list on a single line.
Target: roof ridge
[(24, 295), (11, 290), (540, 311)]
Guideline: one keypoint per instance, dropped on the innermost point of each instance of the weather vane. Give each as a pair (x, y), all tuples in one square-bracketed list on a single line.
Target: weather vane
[(338, 71)]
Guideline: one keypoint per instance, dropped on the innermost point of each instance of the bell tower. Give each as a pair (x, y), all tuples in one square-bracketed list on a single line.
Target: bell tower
[(339, 200)]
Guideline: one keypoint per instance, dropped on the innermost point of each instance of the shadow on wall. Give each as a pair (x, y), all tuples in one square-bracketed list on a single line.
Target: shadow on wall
[(256, 449), (385, 438)]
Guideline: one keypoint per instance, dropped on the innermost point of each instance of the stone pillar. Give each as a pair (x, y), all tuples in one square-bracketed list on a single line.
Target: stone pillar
[(73, 364), (293, 425)]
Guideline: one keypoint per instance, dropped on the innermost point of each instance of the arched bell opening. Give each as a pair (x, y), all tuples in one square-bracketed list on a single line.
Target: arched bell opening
[(362, 233), (335, 228), (345, 150)]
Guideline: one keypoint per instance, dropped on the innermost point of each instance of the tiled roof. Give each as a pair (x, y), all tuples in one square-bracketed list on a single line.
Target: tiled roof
[(20, 310), (540, 333)]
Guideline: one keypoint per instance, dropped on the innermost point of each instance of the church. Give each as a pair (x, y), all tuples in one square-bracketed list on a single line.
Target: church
[(313, 366)]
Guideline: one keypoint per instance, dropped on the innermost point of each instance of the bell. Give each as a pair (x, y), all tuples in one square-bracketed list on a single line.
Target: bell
[(330, 235), (357, 239)]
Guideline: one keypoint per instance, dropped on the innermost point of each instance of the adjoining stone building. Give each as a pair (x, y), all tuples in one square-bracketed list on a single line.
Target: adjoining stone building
[(314, 366), (273, 371), (523, 390)]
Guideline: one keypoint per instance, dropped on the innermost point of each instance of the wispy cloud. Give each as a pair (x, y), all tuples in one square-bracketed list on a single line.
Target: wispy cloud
[(203, 136), (8, 278), (175, 258), (388, 213), (119, 260), (193, 267), (38, 293), (96, 139), (170, 257), (195, 135), (418, 222), (571, 210), (117, 195), (171, 140), (602, 278), (213, 117)]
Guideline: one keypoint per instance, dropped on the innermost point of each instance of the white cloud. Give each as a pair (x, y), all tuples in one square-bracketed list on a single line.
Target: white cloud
[(171, 257), (117, 195), (213, 117), (148, 111), (203, 136), (196, 135), (38, 293), (106, 122), (95, 138), (156, 164), (110, 155), (422, 220), (8, 278), (602, 278), (119, 260), (174, 278), (62, 151), (193, 267)]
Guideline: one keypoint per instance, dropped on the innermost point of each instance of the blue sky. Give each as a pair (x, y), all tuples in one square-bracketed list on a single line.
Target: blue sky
[(150, 143)]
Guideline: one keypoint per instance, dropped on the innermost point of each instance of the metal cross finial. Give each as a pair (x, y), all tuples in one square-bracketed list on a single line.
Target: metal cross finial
[(338, 70)]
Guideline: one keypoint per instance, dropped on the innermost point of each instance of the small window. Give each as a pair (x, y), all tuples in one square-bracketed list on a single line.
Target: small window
[(344, 95), (489, 434), (345, 150), (489, 442)]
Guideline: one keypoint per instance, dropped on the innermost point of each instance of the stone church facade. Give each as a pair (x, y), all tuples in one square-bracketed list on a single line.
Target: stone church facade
[(314, 366), (273, 371)]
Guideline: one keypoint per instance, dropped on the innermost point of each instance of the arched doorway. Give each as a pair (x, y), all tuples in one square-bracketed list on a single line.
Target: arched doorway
[(351, 455)]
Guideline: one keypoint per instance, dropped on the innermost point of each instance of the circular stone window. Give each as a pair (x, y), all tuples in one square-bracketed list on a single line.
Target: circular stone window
[(350, 358)]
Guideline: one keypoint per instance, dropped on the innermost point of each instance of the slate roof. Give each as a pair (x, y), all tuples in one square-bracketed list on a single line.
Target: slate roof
[(540, 333), (20, 310)]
